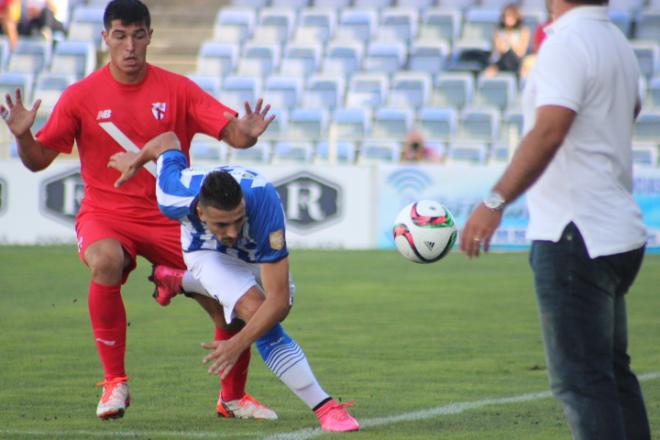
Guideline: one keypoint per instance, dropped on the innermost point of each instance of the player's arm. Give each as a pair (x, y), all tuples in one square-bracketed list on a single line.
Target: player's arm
[(243, 132), (34, 155), (129, 163)]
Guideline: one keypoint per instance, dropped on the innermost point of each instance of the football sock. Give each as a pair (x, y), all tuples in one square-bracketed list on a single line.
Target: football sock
[(108, 318), (286, 359), (191, 284), (233, 385)]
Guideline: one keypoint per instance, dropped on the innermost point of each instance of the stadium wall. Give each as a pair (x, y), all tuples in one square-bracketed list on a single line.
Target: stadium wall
[(349, 207)]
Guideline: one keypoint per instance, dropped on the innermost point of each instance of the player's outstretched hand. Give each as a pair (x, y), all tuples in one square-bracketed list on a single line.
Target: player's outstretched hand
[(253, 123), (126, 163), (223, 356), (18, 118), (479, 230)]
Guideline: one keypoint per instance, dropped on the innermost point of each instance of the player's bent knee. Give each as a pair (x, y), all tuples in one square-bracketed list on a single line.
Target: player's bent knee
[(106, 260), (248, 304)]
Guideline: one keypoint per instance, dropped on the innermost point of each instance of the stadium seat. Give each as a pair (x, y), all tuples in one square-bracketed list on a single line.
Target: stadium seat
[(398, 24), (255, 4), (378, 4), (410, 90), (340, 152), (301, 59), (470, 56), (500, 152), (236, 90), (468, 152), (49, 87), (498, 91), (360, 24), (439, 123), (4, 53), (76, 58), (385, 56), (493, 4), (479, 125), (343, 58), (259, 59), (319, 23), (392, 123), (648, 25), (453, 90), (292, 152), (275, 25), (379, 151), (324, 91), (441, 25), (29, 56), (259, 154), (10, 81), (511, 128), (335, 4), (480, 23), (86, 24), (204, 147), (648, 56), (234, 25), (645, 154), (626, 5), (428, 56), (217, 58), (647, 127), (351, 124), (283, 91), (292, 3), (420, 5), (461, 5), (279, 127), (210, 84), (367, 89), (654, 93), (308, 124), (623, 20)]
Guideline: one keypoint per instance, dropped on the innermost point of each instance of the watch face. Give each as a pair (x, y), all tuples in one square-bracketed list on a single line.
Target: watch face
[(494, 201)]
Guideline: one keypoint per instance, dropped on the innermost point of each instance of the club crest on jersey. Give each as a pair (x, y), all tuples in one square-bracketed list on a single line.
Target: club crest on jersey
[(276, 239), (158, 110)]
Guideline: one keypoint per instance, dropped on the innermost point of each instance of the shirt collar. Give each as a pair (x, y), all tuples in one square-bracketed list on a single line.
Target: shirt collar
[(578, 13)]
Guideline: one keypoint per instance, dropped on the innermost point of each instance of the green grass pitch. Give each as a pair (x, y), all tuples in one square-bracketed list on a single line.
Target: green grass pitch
[(394, 336)]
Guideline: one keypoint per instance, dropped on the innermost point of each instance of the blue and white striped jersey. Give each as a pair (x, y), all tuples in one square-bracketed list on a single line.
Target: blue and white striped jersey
[(262, 239)]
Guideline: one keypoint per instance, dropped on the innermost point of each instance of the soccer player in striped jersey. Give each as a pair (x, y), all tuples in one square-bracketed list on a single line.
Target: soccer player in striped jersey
[(119, 108), (233, 239)]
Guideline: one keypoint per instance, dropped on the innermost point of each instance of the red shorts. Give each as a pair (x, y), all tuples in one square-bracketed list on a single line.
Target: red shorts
[(159, 242)]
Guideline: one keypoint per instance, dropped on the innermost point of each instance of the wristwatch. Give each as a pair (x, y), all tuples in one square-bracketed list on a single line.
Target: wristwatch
[(494, 201)]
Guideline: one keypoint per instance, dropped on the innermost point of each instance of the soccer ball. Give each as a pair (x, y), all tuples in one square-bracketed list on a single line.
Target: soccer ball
[(424, 231)]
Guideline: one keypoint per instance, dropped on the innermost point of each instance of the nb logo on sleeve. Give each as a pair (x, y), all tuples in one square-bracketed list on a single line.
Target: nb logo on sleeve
[(104, 114)]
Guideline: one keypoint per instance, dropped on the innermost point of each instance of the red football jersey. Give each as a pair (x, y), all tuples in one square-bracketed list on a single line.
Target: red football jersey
[(104, 117)]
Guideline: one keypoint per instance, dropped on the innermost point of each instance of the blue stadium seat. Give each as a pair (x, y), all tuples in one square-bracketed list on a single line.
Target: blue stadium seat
[(647, 127), (234, 25), (217, 58), (4, 53), (441, 25), (511, 128), (292, 152), (499, 91), (308, 124), (480, 23), (410, 90), (255, 4), (645, 154), (468, 152), (384, 56), (480, 125), (76, 58), (378, 4), (279, 127), (29, 56), (428, 56), (420, 5), (209, 83), (351, 124), (379, 151), (86, 24), (398, 24), (462, 5), (654, 93), (367, 90), (49, 87), (343, 58), (319, 23), (470, 56), (453, 90), (648, 25), (648, 56), (259, 59), (301, 59), (344, 152), (500, 152), (10, 81), (358, 23), (335, 4), (275, 24), (392, 123), (627, 5), (438, 123), (292, 3), (283, 91), (325, 91), (204, 147), (258, 154), (236, 90), (623, 20)]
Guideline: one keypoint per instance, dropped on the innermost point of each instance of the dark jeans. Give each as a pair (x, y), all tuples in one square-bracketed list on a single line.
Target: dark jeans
[(583, 317)]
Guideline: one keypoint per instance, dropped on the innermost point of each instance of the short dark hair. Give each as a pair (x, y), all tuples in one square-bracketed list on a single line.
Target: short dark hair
[(221, 191), (128, 11)]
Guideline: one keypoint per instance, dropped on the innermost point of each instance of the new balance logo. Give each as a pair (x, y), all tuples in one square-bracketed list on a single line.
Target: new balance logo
[(430, 244), (106, 342), (104, 114)]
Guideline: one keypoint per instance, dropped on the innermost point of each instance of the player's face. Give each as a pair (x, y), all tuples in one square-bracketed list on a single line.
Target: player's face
[(128, 49), (226, 226)]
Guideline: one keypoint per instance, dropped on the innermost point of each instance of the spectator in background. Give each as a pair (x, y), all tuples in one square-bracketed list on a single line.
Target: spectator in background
[(39, 18), (416, 150), (10, 13), (539, 36), (510, 42)]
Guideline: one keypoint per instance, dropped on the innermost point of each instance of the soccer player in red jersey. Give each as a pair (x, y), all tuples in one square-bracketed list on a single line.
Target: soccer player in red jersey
[(119, 108)]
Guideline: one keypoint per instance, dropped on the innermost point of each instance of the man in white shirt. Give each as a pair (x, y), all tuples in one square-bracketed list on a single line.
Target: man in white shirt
[(588, 239)]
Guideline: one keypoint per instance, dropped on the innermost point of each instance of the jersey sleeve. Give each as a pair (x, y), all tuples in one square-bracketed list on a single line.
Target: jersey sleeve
[(59, 132), (272, 236), (561, 74), (205, 113), (175, 190)]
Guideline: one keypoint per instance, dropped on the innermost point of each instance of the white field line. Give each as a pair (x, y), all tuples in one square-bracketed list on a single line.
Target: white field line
[(303, 434), (453, 408)]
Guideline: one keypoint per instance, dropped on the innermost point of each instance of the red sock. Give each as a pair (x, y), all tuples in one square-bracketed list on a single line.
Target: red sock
[(233, 386), (108, 318)]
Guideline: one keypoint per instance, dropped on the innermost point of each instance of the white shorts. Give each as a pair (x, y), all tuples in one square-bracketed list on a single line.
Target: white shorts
[(226, 278)]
